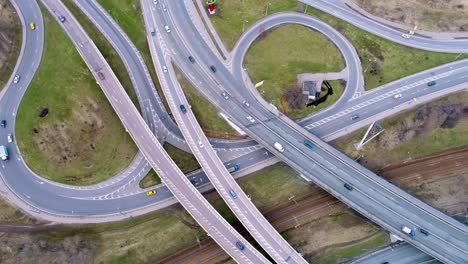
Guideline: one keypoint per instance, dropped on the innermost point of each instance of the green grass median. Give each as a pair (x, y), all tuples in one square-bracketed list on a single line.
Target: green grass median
[(81, 140)]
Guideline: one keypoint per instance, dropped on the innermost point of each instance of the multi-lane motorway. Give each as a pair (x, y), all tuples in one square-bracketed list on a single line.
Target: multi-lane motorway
[(107, 199), (377, 199)]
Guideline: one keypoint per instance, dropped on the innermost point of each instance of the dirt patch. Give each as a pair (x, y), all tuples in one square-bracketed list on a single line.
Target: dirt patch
[(340, 228), (449, 194), (19, 248), (430, 15), (10, 40), (71, 139)]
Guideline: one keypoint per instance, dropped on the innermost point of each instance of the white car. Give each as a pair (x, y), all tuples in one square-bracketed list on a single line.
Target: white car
[(16, 79), (168, 30), (164, 68), (406, 36), (200, 144), (164, 7), (246, 103), (10, 138), (155, 2), (396, 96), (250, 119)]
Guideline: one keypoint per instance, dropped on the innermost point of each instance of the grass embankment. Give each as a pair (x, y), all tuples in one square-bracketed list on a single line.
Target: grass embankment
[(426, 129), (150, 179), (12, 36), (207, 115), (81, 141), (185, 161), (336, 238), (233, 16), (152, 236), (285, 52)]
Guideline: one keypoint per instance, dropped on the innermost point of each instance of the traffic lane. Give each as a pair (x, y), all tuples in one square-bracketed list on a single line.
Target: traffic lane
[(407, 97), (246, 212), (302, 136), (190, 186), (364, 202), (351, 171), (402, 253), (355, 79), (136, 67)]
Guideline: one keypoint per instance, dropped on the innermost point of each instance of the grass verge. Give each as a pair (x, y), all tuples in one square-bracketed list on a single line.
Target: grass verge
[(296, 50), (339, 255), (12, 37), (185, 161), (81, 141), (150, 179), (336, 238), (207, 115)]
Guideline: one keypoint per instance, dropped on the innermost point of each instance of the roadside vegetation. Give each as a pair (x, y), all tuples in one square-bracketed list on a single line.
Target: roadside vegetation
[(79, 140), (207, 115), (185, 161), (282, 53), (10, 40), (150, 179), (443, 16), (336, 238), (423, 130)]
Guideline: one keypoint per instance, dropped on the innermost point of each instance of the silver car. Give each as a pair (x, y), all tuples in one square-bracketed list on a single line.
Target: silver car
[(16, 79)]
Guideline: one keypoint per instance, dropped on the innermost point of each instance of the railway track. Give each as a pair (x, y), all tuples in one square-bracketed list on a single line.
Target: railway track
[(319, 203)]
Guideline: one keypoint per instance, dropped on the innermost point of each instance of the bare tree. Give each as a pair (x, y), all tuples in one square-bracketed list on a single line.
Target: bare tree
[(293, 95)]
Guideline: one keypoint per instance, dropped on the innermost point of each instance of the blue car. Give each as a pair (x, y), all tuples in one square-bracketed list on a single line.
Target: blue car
[(233, 193), (308, 144), (239, 245), (431, 83)]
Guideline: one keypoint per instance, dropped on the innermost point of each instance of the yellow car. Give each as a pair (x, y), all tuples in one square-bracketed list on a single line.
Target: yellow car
[(32, 25), (151, 193)]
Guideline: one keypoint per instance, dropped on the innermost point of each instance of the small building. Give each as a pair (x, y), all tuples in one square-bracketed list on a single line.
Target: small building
[(309, 88)]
